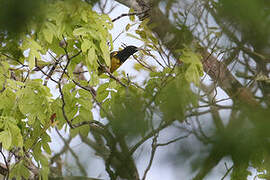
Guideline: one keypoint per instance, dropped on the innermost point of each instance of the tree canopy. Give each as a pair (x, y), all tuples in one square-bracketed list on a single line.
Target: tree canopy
[(205, 70)]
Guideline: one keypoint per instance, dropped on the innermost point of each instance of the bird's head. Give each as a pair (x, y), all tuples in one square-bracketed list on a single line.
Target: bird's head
[(126, 52), (131, 49)]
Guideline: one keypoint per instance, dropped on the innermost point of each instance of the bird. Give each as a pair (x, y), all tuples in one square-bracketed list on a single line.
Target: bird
[(118, 58)]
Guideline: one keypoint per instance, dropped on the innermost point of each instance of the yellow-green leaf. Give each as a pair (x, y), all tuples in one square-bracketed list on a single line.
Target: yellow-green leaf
[(132, 18), (127, 27), (19, 170), (86, 44), (5, 138), (17, 138), (192, 75), (48, 35), (195, 68), (84, 16), (80, 31), (106, 53), (91, 59), (31, 59), (133, 36)]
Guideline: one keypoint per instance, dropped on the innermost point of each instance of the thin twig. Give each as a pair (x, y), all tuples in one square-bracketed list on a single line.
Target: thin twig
[(90, 90), (83, 171), (64, 149), (174, 140), (48, 76), (154, 148), (23, 65), (228, 171), (148, 136), (110, 74), (129, 14), (6, 162), (63, 106)]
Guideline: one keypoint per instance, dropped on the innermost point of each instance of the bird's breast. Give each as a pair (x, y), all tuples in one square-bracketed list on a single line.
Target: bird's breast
[(115, 64)]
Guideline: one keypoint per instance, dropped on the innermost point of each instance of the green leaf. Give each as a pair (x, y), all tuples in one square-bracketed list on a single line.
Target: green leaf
[(84, 16), (138, 66), (86, 44), (6, 139), (51, 27), (48, 35), (19, 170), (127, 27), (195, 67), (16, 85), (57, 107), (45, 166), (37, 150), (94, 79), (47, 148), (84, 130), (45, 170), (91, 59), (80, 31), (141, 33), (102, 93), (60, 18), (106, 53), (102, 87), (33, 101), (263, 176), (85, 99), (31, 59), (131, 18), (17, 139), (85, 115), (192, 75), (34, 45), (133, 36), (71, 107)]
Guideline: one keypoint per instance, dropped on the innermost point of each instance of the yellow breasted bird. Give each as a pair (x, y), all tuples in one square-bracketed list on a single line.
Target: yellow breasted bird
[(119, 57)]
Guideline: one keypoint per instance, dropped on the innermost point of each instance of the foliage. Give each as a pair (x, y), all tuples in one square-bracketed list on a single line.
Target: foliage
[(49, 81), (27, 105)]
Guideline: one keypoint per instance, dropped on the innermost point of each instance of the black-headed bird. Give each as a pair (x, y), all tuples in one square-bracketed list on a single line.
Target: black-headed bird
[(118, 58)]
